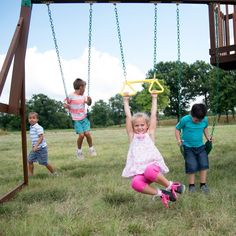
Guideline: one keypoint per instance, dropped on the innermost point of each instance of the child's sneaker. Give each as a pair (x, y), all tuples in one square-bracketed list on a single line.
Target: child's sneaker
[(166, 197), (55, 174), (204, 188), (92, 152), (177, 187), (80, 155), (192, 189)]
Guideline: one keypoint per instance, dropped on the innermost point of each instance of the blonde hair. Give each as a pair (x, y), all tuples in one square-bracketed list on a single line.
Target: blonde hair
[(141, 115)]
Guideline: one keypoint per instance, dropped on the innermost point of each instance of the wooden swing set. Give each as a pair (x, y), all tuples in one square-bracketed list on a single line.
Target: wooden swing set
[(224, 56)]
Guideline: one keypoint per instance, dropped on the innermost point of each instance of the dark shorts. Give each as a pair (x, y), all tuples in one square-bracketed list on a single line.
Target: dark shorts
[(40, 156), (196, 159)]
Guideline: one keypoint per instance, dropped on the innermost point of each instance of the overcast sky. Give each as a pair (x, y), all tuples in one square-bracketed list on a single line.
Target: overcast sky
[(71, 26)]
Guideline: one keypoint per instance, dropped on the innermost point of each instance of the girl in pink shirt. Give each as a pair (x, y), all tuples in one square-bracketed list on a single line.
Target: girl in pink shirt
[(145, 163)]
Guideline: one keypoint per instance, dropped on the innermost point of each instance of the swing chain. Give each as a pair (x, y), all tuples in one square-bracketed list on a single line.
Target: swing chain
[(56, 48), (155, 38), (178, 60), (89, 44), (217, 67), (120, 42)]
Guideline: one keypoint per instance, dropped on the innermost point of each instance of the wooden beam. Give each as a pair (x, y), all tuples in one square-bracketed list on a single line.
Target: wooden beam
[(18, 73), (6, 197), (233, 2), (10, 55)]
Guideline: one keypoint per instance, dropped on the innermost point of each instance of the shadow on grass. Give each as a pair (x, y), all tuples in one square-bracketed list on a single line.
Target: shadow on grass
[(11, 209), (117, 199), (49, 195)]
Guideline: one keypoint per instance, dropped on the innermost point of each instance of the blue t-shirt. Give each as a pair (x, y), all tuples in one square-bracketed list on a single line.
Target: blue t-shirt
[(192, 133)]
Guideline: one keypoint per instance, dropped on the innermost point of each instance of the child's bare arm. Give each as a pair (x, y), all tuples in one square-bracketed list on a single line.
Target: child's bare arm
[(177, 136), (206, 134), (129, 127), (35, 147), (88, 101), (153, 117)]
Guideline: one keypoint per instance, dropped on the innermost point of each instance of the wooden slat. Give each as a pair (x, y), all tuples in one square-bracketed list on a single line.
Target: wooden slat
[(19, 64), (10, 55), (6, 197)]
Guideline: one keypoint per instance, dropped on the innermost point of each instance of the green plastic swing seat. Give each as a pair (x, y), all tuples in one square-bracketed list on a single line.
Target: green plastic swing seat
[(208, 146)]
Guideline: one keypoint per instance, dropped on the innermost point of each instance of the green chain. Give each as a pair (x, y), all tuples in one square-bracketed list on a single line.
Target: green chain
[(217, 67), (56, 48), (120, 42), (155, 38), (89, 44), (178, 62)]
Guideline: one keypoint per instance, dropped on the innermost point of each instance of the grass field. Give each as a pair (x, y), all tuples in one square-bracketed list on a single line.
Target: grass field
[(90, 197)]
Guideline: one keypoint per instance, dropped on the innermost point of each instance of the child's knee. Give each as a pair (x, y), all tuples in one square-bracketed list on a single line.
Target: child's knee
[(138, 183), (81, 135), (151, 172)]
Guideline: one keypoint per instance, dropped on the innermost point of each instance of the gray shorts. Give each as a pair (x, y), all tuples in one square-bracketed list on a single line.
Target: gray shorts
[(196, 159), (40, 156)]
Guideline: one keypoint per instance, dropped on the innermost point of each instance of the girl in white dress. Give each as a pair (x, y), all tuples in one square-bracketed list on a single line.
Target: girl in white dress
[(145, 163)]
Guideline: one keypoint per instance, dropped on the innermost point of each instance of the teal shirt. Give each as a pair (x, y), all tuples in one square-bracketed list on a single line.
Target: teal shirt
[(192, 133)]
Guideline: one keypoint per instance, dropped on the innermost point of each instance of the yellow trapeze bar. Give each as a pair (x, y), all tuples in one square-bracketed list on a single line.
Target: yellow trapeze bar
[(133, 91)]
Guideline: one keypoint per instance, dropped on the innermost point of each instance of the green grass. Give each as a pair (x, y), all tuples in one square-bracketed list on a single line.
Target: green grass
[(91, 198)]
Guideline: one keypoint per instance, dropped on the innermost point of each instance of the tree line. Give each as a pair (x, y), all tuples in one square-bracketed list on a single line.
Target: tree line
[(183, 83)]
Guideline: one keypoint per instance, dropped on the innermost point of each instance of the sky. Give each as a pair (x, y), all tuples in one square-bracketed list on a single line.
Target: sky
[(71, 22)]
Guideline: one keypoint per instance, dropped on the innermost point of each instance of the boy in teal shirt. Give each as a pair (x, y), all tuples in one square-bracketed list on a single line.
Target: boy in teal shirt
[(189, 133)]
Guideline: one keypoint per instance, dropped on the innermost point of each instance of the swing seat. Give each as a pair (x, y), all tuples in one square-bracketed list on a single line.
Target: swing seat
[(208, 146), (181, 147)]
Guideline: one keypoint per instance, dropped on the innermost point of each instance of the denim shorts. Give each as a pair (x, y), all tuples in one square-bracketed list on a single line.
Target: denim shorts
[(196, 159), (82, 126), (40, 156)]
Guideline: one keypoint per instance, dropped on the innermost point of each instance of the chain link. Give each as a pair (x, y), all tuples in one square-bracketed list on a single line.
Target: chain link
[(89, 44), (178, 60), (120, 41), (215, 110), (56, 48), (155, 38)]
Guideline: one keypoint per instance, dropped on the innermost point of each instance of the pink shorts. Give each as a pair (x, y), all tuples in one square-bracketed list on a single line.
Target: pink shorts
[(139, 182)]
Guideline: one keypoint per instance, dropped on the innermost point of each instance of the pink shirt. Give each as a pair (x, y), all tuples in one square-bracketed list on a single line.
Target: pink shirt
[(77, 106)]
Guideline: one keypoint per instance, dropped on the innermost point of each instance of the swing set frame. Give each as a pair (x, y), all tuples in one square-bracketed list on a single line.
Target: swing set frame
[(17, 52)]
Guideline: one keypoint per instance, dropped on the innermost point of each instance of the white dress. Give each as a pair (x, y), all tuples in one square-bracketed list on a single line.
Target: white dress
[(142, 152)]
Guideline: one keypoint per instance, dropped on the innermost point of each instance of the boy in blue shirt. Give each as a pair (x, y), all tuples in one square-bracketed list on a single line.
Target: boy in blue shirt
[(189, 133)]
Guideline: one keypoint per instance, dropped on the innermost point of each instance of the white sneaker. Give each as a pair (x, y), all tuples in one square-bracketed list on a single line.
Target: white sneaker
[(80, 155), (92, 152)]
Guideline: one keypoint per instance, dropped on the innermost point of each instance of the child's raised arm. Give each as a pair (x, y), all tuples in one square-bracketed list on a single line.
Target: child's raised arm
[(153, 117), (129, 127)]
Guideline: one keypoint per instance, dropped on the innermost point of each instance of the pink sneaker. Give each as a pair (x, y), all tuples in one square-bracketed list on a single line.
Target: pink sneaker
[(166, 197), (177, 187)]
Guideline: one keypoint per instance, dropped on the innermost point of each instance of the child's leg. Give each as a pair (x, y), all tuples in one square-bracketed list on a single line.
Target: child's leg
[(140, 184), (191, 178), (31, 168), (89, 138), (153, 174), (50, 168), (80, 140), (203, 176)]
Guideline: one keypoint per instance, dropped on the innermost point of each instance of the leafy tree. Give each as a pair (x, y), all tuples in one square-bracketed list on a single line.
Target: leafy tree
[(176, 77), (101, 114), (51, 112), (200, 79), (222, 94), (117, 109)]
